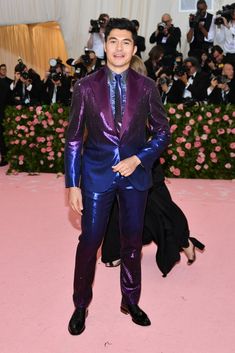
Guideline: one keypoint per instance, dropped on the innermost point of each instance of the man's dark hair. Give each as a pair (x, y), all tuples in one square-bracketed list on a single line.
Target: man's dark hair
[(136, 23), (123, 24), (200, 2), (216, 48), (194, 61), (3, 65)]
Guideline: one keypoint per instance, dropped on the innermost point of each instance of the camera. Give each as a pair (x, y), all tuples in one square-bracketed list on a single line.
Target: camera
[(86, 60), (95, 25), (164, 80), (55, 76), (221, 79), (161, 26), (194, 19), (227, 12), (24, 75)]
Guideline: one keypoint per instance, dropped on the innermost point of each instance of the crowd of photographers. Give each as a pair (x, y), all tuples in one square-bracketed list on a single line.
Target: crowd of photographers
[(206, 75)]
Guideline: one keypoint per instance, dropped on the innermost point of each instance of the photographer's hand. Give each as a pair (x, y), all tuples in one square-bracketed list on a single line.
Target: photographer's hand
[(226, 24), (202, 29)]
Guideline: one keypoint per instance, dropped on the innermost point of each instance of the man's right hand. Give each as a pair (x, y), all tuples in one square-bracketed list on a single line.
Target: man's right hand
[(75, 199)]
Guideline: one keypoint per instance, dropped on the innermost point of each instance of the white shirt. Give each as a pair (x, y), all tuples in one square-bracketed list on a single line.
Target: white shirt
[(226, 37)]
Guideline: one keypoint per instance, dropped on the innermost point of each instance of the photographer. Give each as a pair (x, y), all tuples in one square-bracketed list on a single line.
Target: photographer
[(154, 62), (196, 81), (56, 86), (168, 37), (140, 41), (26, 87), (225, 31), (222, 87), (86, 64), (96, 38), (201, 32), (171, 88)]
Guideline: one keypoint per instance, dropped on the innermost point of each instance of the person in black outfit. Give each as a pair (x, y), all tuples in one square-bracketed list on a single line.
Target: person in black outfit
[(140, 41), (171, 87), (199, 36), (4, 100), (195, 80), (154, 62), (222, 87), (165, 224), (168, 36)]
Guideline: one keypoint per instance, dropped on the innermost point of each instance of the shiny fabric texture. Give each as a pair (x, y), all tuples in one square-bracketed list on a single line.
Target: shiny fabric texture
[(97, 206), (104, 148)]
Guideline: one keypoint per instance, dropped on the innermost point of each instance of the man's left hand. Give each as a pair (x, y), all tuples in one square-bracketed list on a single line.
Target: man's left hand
[(127, 166)]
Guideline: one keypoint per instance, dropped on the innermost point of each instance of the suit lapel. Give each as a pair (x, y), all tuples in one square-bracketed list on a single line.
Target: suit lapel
[(134, 90), (101, 92)]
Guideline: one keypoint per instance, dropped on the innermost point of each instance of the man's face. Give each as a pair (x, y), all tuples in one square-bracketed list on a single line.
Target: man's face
[(190, 68), (119, 49), (202, 9), (217, 56), (228, 71), (3, 71)]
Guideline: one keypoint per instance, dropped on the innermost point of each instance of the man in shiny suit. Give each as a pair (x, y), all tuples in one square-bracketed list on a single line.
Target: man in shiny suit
[(114, 105)]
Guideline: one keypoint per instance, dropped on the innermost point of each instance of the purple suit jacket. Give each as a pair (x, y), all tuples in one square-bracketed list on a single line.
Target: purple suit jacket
[(89, 163)]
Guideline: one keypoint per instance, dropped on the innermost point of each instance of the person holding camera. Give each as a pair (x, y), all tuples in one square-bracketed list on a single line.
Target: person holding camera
[(168, 36), (140, 41), (171, 87), (201, 32), (222, 87), (86, 64), (196, 81), (154, 62), (26, 87), (225, 31), (96, 38)]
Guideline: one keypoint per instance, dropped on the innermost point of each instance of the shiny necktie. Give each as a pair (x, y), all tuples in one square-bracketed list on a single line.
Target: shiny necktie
[(118, 103)]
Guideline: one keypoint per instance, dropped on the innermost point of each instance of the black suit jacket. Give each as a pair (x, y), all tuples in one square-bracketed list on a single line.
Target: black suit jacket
[(140, 43), (199, 86)]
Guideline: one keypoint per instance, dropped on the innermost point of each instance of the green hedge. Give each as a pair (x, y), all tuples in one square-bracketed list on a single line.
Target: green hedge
[(202, 143)]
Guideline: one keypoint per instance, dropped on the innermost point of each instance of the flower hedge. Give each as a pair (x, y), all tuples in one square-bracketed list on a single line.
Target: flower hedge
[(202, 143)]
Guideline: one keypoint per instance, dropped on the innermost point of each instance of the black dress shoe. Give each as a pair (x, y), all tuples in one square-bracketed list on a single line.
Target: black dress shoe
[(139, 317), (77, 321)]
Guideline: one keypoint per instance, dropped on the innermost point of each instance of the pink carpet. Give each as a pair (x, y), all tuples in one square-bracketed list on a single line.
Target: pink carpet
[(192, 310)]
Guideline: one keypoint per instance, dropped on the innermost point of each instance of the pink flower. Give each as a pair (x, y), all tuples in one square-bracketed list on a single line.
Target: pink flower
[(21, 157), (210, 122), (191, 121), (21, 162), (172, 128), (60, 110), (199, 118), (51, 153), (17, 142), (43, 150), (217, 110), (217, 119), (200, 160), (214, 160), (171, 110), (181, 153), (180, 107), (232, 145), (217, 148), (206, 166), (213, 155), (188, 145), (213, 141), (176, 171), (233, 114), (17, 118), (174, 157), (185, 132), (232, 154), (31, 145), (31, 109), (49, 149), (38, 110), (228, 166), (49, 143), (197, 144), (187, 114), (225, 117), (178, 116), (208, 114), (32, 133), (188, 128), (23, 142), (50, 122), (65, 123), (59, 154), (197, 167), (19, 107), (204, 137), (169, 151)]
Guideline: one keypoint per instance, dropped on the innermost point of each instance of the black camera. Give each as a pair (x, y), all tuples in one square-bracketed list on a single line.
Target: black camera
[(161, 26), (221, 79), (194, 19), (95, 25), (24, 75), (55, 76), (164, 80), (86, 60), (227, 12)]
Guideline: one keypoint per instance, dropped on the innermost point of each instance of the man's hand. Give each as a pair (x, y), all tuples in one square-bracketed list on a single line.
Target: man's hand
[(127, 166), (75, 199)]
